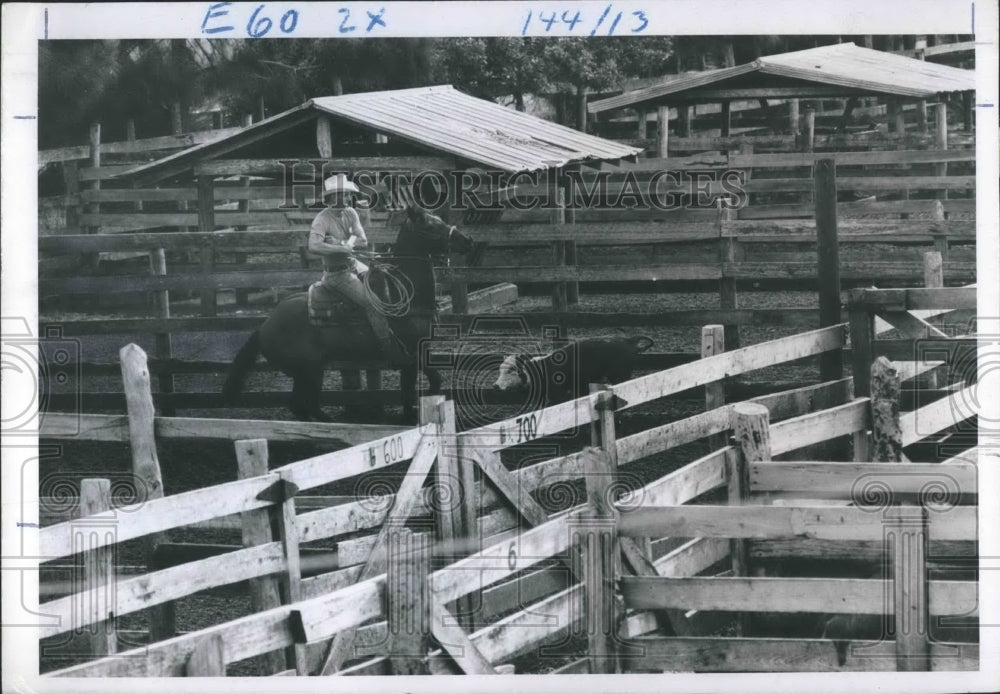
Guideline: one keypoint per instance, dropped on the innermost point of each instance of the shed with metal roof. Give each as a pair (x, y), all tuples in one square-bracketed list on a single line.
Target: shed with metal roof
[(840, 70), (439, 120)]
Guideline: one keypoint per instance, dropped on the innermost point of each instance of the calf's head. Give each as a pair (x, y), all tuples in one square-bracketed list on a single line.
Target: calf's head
[(513, 373)]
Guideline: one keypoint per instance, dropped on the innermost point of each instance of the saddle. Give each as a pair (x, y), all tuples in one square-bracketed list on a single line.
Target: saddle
[(327, 307)]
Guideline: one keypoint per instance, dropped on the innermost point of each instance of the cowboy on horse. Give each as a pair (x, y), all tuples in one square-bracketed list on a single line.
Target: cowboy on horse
[(335, 233)]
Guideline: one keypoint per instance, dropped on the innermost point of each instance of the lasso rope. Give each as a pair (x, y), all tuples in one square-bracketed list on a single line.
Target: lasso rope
[(397, 284)]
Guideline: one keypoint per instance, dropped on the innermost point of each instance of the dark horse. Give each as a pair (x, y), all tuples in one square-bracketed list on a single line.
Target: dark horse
[(301, 350)]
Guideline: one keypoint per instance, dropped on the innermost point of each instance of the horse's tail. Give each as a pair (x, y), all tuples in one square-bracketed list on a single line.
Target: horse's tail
[(241, 366), (641, 343)]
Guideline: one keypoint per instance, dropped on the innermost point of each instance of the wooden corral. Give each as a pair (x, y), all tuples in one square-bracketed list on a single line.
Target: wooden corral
[(621, 592), (731, 249)]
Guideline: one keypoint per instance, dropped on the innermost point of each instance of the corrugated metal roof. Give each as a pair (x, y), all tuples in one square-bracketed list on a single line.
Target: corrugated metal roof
[(485, 132), (842, 65), (440, 118)]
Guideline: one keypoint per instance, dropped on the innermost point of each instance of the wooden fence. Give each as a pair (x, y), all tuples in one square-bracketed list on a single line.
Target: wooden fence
[(361, 602)]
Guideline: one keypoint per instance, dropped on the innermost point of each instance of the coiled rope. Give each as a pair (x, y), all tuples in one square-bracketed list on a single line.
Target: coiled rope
[(399, 287)]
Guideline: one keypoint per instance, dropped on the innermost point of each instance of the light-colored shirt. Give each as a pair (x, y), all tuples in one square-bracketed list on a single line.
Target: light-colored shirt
[(338, 226)]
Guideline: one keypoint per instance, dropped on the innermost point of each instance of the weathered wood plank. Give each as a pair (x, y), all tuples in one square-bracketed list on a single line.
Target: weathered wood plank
[(244, 637), (715, 654), (838, 595), (815, 427), (760, 522), (848, 480)]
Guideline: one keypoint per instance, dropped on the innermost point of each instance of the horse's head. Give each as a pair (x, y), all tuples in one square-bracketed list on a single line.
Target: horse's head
[(423, 233)]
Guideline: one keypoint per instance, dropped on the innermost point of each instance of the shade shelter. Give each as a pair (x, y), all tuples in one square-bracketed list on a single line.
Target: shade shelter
[(837, 71)]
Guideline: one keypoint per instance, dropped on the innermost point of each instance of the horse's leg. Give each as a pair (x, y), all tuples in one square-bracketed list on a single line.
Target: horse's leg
[(433, 381), (408, 387), (306, 389), (300, 396)]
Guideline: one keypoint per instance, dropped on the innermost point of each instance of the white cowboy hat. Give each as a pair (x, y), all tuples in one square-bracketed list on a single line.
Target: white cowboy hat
[(338, 183)]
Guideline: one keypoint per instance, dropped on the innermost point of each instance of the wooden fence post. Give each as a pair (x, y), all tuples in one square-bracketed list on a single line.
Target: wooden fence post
[(809, 130), (99, 571), (456, 487), (730, 252), (408, 600), (91, 260), (600, 563), (684, 116), (71, 181), (569, 217), (283, 518), (251, 461), (906, 526), (828, 261), (558, 216), (208, 658), (712, 343), (941, 143), (862, 322), (163, 348), (921, 104), (726, 115), (793, 117), (968, 112), (753, 441), (641, 132), (662, 131), (206, 222), (887, 436), (145, 466)]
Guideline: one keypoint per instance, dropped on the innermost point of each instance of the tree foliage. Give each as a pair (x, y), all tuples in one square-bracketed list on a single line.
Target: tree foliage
[(113, 81)]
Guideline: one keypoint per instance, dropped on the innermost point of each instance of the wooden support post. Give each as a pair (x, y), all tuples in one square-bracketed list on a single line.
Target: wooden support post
[(408, 601), (968, 111), (95, 162), (906, 527), (206, 223), (941, 142), (98, 568), (71, 181), (559, 289), (793, 117), (641, 130), (662, 131), (283, 518), (456, 521), (251, 461), (933, 270), (208, 658), (600, 563), (921, 104), (900, 125), (572, 288), (862, 322), (725, 127), (145, 466), (729, 252), (91, 260), (887, 436), (809, 129), (752, 432), (712, 343), (164, 351), (684, 116), (828, 260)]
